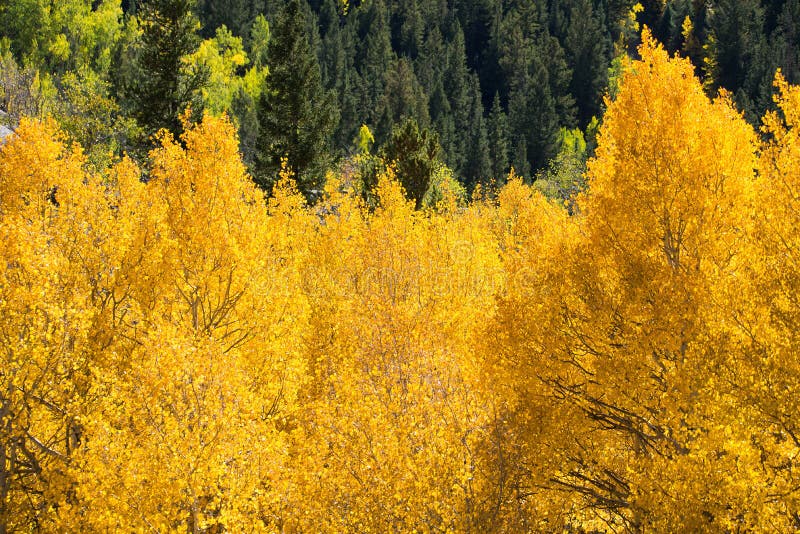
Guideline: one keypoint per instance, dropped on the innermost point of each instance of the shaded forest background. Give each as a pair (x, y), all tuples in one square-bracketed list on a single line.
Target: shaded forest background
[(468, 89)]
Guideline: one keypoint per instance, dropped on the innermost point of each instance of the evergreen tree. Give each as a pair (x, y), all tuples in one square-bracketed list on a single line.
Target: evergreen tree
[(613, 13), (402, 98), (587, 50), (129, 6), (332, 59), (244, 109), (737, 53), (498, 138), (162, 91), (296, 116), (386, 60), (539, 100), (412, 28), (442, 117), (456, 81), (694, 34), (477, 165), (786, 41), (236, 15), (429, 69), (439, 105), (669, 29), (415, 154), (491, 72), (374, 59), (651, 13), (350, 119)]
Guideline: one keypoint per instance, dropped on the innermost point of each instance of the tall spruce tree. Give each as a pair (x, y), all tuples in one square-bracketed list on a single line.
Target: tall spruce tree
[(498, 142), (403, 98), (162, 90), (415, 154), (236, 15), (735, 24), (456, 81), (374, 59), (477, 164), (588, 53), (538, 75), (296, 115), (737, 54), (412, 28), (786, 41)]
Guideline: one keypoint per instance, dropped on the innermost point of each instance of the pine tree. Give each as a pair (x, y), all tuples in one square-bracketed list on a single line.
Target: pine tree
[(477, 166), (236, 15), (737, 54), (296, 116), (332, 52), (538, 75), (587, 51), (498, 141), (336, 56), (412, 28), (374, 59), (403, 97), (415, 154), (456, 86), (162, 91), (786, 41), (428, 65)]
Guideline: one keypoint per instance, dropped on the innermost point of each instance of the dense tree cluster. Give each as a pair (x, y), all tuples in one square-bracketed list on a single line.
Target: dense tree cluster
[(735, 44), (498, 83), (182, 354)]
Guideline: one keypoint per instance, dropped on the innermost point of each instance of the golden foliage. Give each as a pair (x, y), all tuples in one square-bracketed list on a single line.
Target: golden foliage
[(183, 354)]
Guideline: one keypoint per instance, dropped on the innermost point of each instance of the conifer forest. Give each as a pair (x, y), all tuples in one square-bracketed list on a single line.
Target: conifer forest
[(400, 266)]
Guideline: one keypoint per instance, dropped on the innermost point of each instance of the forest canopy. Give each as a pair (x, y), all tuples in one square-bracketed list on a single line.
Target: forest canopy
[(494, 84), (252, 282)]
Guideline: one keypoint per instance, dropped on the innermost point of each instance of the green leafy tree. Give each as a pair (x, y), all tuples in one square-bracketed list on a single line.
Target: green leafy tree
[(296, 115), (23, 92), (92, 118), (63, 35), (245, 100), (221, 58), (563, 179)]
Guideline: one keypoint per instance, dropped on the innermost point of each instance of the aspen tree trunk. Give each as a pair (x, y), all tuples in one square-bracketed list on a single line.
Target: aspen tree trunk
[(4, 481), (5, 463)]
